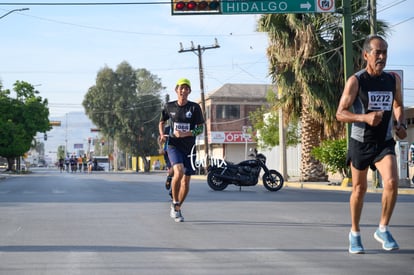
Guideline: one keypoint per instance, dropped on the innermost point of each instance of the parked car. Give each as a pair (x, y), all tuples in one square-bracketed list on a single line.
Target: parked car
[(3, 163), (98, 168)]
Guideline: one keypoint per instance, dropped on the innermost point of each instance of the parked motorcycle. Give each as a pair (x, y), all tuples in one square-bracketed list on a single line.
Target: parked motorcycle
[(245, 173)]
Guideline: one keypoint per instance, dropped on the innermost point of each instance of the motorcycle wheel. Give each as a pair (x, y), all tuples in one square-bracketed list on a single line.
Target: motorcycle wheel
[(273, 181), (214, 182)]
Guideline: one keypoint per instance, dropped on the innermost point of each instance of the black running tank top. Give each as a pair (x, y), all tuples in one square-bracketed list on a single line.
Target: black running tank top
[(376, 93)]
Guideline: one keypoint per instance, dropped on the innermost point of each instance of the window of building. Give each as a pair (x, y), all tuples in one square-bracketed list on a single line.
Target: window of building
[(228, 111)]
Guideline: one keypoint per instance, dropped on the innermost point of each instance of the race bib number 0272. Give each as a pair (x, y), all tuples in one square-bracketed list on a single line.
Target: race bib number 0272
[(380, 100)]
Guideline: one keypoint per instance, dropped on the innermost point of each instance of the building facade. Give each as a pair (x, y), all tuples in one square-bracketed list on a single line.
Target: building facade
[(229, 129)]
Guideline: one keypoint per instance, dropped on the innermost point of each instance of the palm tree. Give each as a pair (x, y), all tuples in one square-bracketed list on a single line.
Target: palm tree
[(306, 63)]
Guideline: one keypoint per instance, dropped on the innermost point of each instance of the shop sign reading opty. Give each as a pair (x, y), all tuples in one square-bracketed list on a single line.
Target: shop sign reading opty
[(229, 137)]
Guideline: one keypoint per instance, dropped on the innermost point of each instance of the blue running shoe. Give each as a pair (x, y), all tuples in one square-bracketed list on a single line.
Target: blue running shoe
[(386, 239), (355, 245)]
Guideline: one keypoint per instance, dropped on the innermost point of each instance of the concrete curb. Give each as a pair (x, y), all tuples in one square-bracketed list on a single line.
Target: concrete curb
[(325, 186)]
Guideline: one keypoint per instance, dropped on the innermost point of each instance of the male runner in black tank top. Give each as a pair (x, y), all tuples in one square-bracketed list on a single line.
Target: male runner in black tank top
[(374, 97)]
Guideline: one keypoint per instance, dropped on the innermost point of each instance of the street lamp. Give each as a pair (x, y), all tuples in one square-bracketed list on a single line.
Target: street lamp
[(4, 15)]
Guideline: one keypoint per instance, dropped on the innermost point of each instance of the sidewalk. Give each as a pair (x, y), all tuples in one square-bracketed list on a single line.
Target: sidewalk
[(329, 186)]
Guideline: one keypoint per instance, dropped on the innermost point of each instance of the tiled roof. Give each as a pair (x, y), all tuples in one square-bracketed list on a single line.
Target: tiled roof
[(240, 91)]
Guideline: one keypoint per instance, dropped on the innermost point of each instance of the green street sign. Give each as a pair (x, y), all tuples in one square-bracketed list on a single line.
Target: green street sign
[(267, 6)]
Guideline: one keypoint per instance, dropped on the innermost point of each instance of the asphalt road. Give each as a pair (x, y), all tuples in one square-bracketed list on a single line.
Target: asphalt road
[(53, 223)]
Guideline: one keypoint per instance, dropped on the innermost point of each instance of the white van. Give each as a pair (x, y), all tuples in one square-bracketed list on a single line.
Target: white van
[(103, 161)]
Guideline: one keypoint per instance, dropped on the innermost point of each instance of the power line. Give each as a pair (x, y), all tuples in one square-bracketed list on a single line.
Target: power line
[(405, 20), (391, 5), (128, 31)]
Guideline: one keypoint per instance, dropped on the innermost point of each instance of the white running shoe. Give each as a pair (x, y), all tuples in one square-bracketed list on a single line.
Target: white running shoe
[(179, 217), (173, 213)]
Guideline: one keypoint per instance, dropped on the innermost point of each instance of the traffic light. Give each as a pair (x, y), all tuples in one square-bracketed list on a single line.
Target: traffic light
[(45, 137), (183, 7)]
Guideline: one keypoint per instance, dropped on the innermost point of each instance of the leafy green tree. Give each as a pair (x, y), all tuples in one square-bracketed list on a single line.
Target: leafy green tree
[(100, 100), (265, 121), (20, 119), (332, 153), (141, 132), (61, 152), (306, 63), (125, 104)]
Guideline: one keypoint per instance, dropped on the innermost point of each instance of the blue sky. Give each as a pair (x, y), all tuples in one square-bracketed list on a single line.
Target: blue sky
[(60, 49)]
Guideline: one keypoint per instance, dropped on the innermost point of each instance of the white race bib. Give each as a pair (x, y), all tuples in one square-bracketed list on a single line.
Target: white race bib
[(380, 100), (182, 127)]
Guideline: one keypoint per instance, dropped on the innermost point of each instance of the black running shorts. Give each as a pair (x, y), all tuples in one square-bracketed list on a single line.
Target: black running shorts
[(364, 154)]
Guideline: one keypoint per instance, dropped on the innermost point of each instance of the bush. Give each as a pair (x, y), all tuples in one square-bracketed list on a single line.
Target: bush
[(332, 154)]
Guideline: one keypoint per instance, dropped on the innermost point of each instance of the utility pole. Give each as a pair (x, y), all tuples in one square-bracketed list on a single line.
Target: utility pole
[(199, 52), (372, 13), (282, 140), (66, 136)]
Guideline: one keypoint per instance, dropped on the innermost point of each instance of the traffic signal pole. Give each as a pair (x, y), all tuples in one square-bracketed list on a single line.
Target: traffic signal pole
[(347, 39), (199, 52), (348, 60)]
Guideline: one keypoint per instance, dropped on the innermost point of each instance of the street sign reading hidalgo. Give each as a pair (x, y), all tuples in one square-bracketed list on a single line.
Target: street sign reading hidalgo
[(286, 6), (191, 7)]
